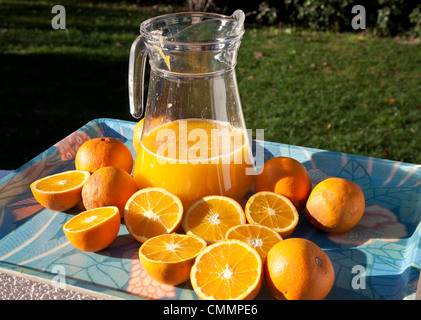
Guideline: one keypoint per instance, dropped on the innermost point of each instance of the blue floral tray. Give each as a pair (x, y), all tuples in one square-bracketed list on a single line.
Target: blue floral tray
[(379, 258)]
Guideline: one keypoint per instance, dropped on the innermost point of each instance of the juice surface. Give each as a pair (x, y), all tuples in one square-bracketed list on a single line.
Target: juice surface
[(194, 158)]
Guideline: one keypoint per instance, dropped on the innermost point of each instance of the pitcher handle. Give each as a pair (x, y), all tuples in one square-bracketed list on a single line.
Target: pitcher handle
[(137, 63)]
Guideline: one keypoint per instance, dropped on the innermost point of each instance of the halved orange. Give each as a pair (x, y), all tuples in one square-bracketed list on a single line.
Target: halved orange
[(257, 236), (272, 210), (168, 258), (210, 217), (93, 230), (150, 212), (225, 270), (60, 191)]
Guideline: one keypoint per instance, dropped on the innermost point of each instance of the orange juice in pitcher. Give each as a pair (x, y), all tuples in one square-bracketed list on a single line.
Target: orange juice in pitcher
[(194, 158), (194, 141)]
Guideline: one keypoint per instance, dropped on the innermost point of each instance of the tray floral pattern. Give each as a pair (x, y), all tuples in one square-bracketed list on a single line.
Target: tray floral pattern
[(380, 258)]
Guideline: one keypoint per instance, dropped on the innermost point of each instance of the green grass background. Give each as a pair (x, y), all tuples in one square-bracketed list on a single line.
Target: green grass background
[(346, 92)]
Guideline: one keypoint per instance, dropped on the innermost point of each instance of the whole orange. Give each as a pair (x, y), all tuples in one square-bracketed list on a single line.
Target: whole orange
[(335, 205), (298, 269), (285, 176), (137, 134), (103, 152), (138, 129), (108, 186)]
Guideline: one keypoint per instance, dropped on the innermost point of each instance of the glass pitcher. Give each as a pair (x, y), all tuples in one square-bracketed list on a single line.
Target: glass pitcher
[(194, 141)]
